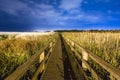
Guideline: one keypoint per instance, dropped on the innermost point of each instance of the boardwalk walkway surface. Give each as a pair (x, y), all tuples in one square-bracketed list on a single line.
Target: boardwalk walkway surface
[(55, 68)]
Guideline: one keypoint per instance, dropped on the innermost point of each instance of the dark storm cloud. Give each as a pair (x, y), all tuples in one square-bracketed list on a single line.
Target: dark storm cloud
[(55, 14)]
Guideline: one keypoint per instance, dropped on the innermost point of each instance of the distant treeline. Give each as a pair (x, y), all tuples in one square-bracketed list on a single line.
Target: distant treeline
[(87, 31)]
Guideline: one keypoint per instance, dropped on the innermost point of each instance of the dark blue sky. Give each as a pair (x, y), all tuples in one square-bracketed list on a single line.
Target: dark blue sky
[(35, 15)]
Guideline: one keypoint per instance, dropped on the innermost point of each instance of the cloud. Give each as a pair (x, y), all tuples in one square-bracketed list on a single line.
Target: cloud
[(44, 6), (41, 14), (47, 11), (13, 6), (20, 9), (83, 17), (75, 11), (70, 4)]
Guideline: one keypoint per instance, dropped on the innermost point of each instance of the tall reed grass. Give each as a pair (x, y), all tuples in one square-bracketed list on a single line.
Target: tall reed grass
[(15, 51), (106, 45)]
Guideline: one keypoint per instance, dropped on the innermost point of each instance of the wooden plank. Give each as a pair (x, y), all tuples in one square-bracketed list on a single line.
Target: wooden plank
[(54, 69), (43, 63)]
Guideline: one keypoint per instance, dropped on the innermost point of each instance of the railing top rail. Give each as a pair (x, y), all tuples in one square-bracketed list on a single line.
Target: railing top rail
[(112, 70), (20, 71), (79, 73)]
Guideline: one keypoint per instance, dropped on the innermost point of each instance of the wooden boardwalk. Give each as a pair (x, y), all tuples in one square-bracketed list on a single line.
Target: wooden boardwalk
[(56, 65), (55, 68), (60, 66), (65, 60)]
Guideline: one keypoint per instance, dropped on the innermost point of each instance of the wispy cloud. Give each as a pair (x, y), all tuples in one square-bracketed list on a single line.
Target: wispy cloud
[(43, 7), (67, 13), (48, 12), (70, 4), (13, 6), (75, 11)]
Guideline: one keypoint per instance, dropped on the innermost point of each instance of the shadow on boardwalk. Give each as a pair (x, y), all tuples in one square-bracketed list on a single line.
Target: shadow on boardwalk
[(68, 73)]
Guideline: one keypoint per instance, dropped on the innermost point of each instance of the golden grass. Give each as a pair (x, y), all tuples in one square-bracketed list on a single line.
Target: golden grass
[(106, 44), (15, 51)]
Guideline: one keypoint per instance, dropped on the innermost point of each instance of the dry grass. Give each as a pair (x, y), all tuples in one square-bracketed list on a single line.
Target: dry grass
[(106, 44), (15, 51)]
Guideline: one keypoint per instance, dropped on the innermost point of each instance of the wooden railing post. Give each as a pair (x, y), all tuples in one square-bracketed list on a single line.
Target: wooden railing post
[(84, 57), (73, 45), (51, 44), (68, 40), (43, 61), (42, 56)]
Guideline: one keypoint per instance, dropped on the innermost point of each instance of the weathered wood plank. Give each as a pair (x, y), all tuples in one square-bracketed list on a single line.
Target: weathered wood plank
[(54, 69), (43, 63)]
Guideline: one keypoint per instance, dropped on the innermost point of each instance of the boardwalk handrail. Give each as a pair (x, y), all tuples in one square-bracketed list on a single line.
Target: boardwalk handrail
[(21, 70), (112, 70), (43, 64), (77, 69), (79, 58)]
